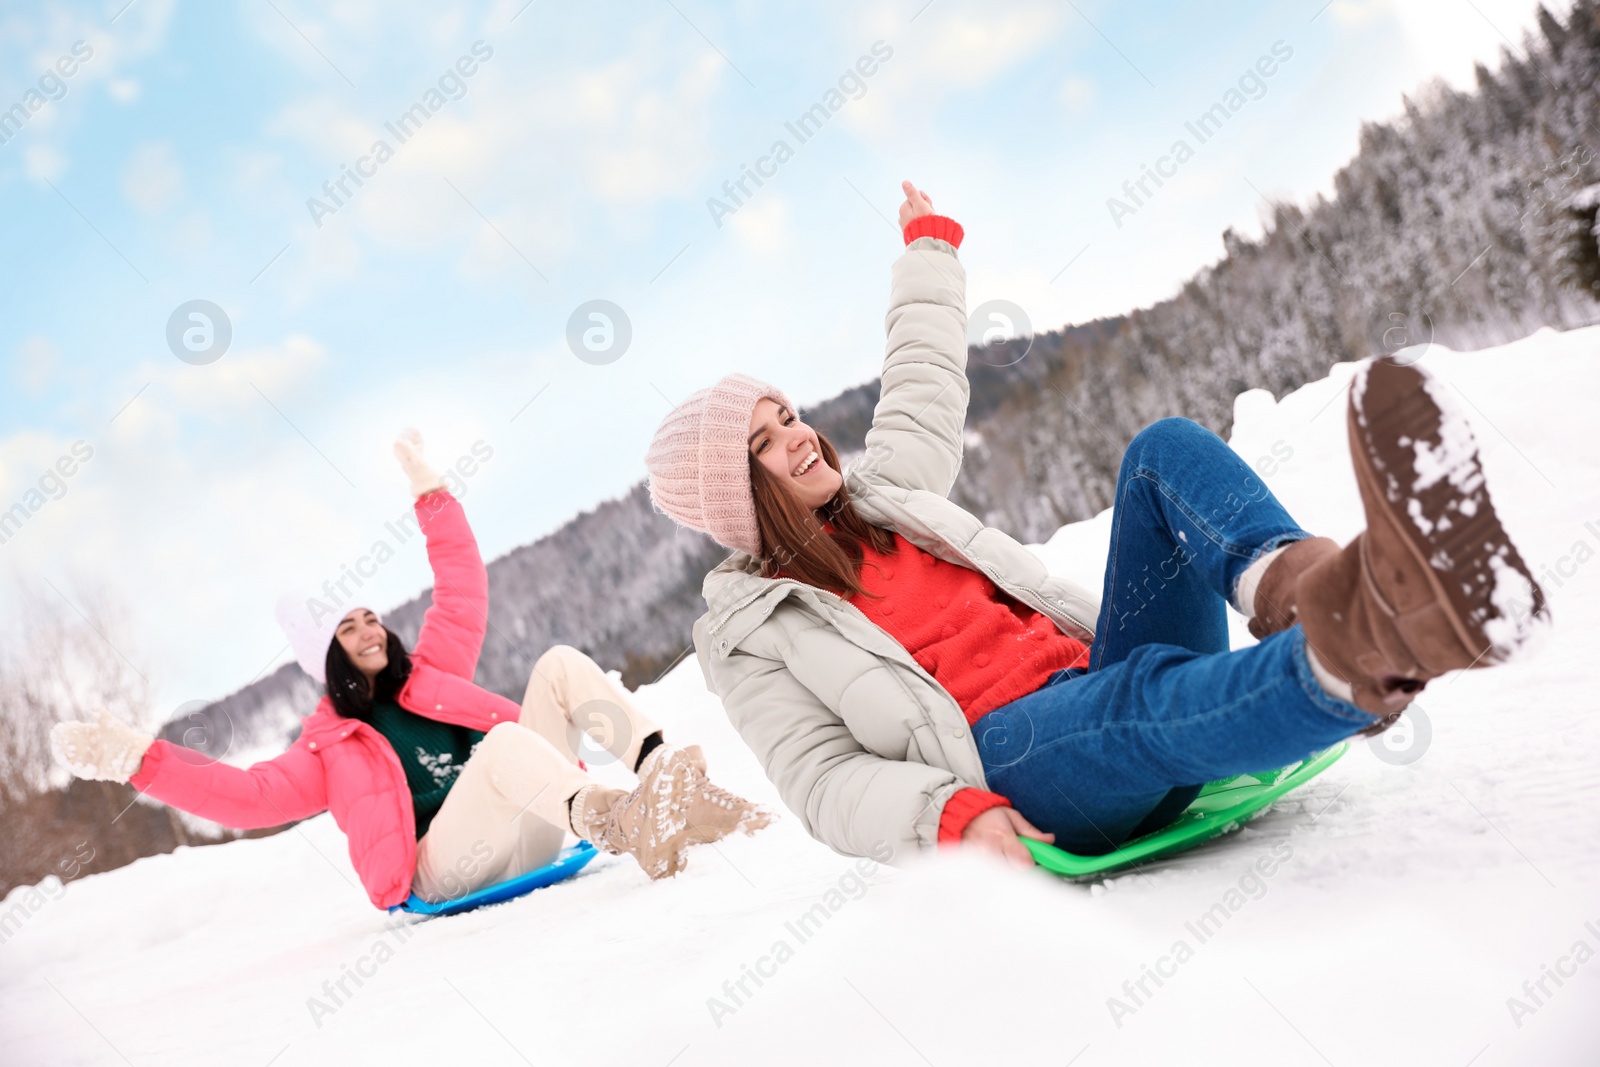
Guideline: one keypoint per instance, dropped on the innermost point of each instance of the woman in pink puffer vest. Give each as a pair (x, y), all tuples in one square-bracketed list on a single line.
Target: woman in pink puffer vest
[(383, 701)]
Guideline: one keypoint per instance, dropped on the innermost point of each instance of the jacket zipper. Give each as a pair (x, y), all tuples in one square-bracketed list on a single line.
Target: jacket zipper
[(728, 615)]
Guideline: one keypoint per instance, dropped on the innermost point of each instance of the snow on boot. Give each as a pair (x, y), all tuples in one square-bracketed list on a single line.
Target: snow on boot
[(1275, 608), (650, 823), (1434, 583), (713, 811)]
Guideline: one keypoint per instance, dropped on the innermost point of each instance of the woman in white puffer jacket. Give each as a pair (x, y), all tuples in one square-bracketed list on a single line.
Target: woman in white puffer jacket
[(909, 676)]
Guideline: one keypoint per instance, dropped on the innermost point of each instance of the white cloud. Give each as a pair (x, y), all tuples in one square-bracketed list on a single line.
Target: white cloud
[(35, 362), (1358, 12), (943, 51), (406, 207), (24, 456), (644, 141), (628, 132), (232, 382), (34, 43), (326, 125), (44, 163), (317, 262), (153, 179), (257, 174), (190, 236), (1446, 37), (543, 231), (763, 224), (1076, 95), (972, 49)]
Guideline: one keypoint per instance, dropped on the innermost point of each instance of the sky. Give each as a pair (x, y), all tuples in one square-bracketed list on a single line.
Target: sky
[(245, 244)]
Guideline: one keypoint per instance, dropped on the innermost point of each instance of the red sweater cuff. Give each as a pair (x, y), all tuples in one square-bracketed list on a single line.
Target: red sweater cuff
[(940, 226), (962, 808)]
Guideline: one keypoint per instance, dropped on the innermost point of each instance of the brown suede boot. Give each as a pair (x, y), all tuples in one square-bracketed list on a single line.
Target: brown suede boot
[(1434, 583), (1275, 605), (651, 823)]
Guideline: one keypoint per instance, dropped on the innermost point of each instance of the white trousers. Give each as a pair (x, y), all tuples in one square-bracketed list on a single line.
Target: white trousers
[(507, 812)]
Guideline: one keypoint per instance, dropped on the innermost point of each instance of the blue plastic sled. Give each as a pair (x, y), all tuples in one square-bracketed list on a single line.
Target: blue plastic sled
[(568, 863)]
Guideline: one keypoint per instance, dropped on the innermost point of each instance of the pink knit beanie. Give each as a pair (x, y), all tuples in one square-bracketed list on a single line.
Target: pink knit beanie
[(699, 462)]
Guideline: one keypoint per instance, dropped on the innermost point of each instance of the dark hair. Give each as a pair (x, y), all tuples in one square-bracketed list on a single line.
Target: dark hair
[(794, 542), (347, 686)]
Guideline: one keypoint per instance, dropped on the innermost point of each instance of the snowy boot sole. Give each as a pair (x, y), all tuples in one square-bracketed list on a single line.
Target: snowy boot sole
[(1464, 597)]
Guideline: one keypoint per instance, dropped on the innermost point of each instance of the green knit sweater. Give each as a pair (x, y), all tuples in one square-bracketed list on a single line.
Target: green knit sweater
[(431, 752)]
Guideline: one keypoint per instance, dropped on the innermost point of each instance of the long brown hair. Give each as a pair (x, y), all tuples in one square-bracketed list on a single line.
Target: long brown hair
[(794, 542)]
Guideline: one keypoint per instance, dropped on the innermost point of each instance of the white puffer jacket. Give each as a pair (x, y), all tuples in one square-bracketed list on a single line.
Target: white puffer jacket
[(864, 746)]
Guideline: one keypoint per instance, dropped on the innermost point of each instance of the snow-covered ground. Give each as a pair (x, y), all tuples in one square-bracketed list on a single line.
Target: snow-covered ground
[(1434, 898)]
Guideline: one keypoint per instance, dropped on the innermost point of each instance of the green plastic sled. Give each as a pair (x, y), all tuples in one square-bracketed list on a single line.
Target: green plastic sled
[(1220, 807)]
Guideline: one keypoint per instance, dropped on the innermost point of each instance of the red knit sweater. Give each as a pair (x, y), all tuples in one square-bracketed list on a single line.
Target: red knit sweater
[(983, 647)]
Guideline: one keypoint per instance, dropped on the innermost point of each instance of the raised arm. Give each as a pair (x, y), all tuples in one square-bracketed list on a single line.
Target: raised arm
[(915, 439), (455, 623)]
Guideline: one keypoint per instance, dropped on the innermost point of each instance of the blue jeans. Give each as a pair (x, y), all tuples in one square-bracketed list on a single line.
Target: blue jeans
[(1101, 755)]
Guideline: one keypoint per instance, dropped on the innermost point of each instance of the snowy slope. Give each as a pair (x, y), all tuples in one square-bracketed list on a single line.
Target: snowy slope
[(1406, 901)]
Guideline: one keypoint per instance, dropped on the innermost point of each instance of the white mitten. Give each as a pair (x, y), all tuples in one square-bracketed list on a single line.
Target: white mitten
[(104, 751), (408, 448)]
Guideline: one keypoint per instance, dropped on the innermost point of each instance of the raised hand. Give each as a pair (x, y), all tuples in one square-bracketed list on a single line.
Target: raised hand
[(917, 204), (408, 449), (104, 751)]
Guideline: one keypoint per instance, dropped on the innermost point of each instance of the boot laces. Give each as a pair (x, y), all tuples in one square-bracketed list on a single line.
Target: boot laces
[(717, 795)]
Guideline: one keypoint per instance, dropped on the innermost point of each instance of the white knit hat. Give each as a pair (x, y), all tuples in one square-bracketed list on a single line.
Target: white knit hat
[(699, 462), (310, 625)]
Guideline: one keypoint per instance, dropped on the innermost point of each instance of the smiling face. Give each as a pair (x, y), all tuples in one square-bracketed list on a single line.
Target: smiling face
[(787, 449), (365, 641)]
